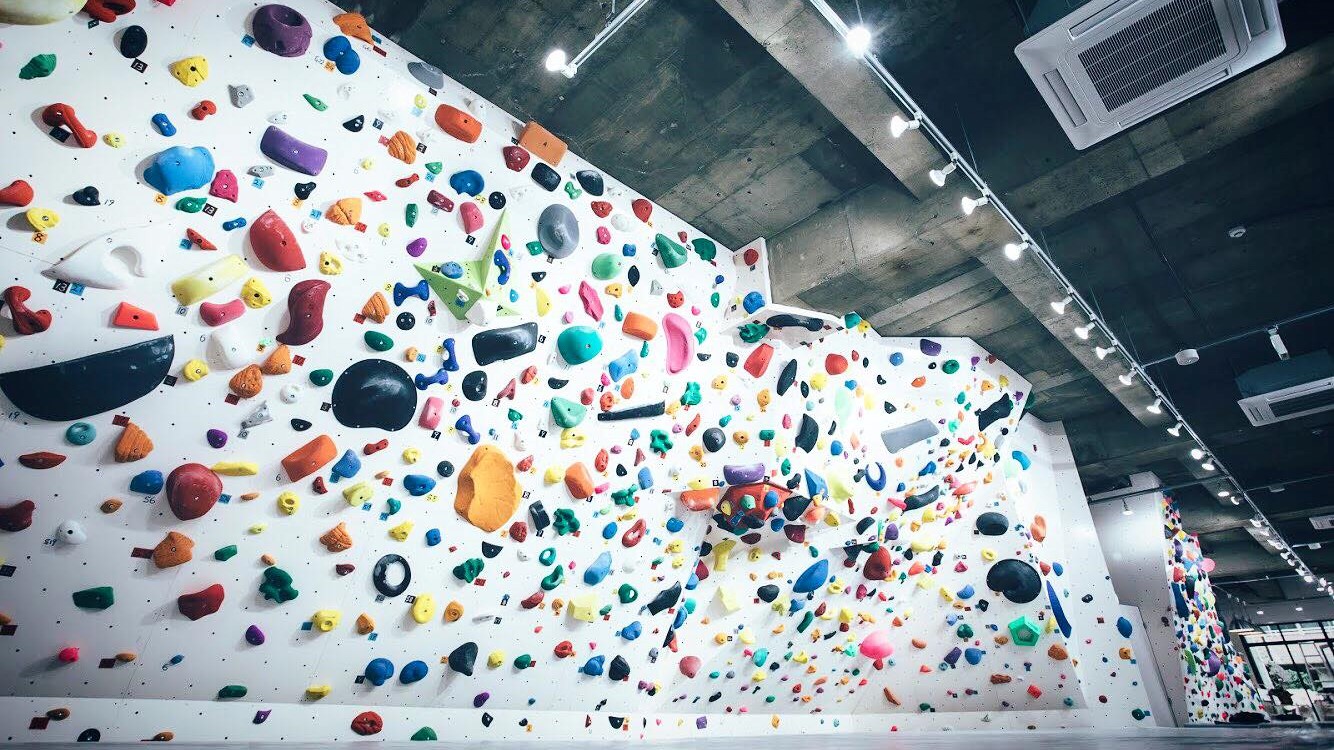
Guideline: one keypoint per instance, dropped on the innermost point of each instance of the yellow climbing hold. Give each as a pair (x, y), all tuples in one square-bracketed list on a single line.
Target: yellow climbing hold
[(359, 493), (728, 599), (258, 528), (721, 552), (326, 619), (194, 370), (584, 607), (423, 609), (411, 455), (190, 71), (236, 468), (401, 531), (495, 658), (42, 219), (318, 691), (289, 502), (254, 294)]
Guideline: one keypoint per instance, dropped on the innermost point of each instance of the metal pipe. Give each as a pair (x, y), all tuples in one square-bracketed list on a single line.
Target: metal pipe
[(1252, 332), (608, 31), (1206, 480)]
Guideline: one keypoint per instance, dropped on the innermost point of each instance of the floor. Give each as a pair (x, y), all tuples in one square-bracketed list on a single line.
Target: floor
[(1269, 738)]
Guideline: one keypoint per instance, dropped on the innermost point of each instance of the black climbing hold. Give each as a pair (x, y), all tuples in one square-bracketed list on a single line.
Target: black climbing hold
[(300, 425), (133, 42), (78, 388), (732, 359), (490, 550), (808, 433), (998, 410), (539, 276), (992, 523), (405, 321), (916, 502), (634, 412), (616, 722), (87, 196), (865, 524), (1015, 579), (556, 384), (665, 599), (374, 393), (91, 734), (303, 189), (805, 389), (590, 180), (619, 669), (786, 320), (539, 516), (890, 408), (445, 469), (714, 439), (487, 718), (380, 575), (794, 506), (500, 344), (621, 471), (632, 275), (462, 658), (787, 377), (545, 176), (496, 200), (356, 123), (474, 385), (768, 592)]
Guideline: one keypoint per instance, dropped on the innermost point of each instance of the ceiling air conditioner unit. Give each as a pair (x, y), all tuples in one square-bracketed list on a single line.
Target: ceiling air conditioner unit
[(1288, 389), (1112, 64)]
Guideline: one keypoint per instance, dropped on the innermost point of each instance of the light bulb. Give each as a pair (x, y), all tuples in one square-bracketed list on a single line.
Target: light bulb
[(1197, 454), (1174, 430), (1156, 407), (1236, 501), (1059, 307), (898, 126), (1083, 331), (859, 40), (556, 60), (1127, 378), (1125, 509), (970, 204), (1013, 251), (938, 175), (1102, 353), (1224, 493), (1207, 465)]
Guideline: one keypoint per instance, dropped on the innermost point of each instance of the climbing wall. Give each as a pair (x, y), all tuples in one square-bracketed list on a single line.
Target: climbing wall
[(332, 394), (1218, 681)]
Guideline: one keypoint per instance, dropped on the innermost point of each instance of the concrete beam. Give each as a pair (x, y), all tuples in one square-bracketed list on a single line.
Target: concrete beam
[(803, 42)]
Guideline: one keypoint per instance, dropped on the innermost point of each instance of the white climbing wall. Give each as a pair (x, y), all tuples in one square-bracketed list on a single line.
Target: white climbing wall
[(848, 385)]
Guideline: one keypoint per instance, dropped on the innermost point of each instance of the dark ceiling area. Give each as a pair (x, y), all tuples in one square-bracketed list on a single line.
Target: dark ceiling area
[(739, 117)]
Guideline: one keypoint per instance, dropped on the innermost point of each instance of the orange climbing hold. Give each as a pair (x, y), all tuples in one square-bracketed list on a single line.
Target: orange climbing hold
[(355, 26), (248, 382), (458, 123), (133, 444), (174, 549), (309, 458), (279, 362), (704, 499), (402, 147), (1038, 529), (541, 142), (488, 492), (376, 308), (129, 316), (578, 481), (639, 326), (346, 211), (337, 539)]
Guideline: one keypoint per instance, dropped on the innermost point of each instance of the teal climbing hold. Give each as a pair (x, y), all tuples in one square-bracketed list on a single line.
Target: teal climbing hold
[(98, 597), (578, 344), (567, 413)]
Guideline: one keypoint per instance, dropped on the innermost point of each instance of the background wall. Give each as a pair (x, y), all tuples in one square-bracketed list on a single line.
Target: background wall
[(593, 647)]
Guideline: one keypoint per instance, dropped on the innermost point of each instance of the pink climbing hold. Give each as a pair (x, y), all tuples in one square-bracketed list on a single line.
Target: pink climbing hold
[(690, 666), (471, 216), (69, 654), (877, 645), (592, 303), (604, 236), (224, 186), (680, 342), (215, 314)]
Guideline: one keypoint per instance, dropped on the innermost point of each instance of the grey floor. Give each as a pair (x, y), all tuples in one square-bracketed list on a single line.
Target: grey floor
[(1302, 737)]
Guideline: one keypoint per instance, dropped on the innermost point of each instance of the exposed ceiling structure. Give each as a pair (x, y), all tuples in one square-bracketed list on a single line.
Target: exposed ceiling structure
[(747, 118)]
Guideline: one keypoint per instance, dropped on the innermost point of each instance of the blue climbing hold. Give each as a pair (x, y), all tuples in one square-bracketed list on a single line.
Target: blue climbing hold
[(379, 670), (599, 570), (645, 478), (752, 302), (413, 671), (626, 364), (632, 631), (347, 466), (609, 530), (179, 168), (432, 537), (812, 578), (147, 483), (593, 667), (418, 484), (467, 182), (973, 656), (1124, 627)]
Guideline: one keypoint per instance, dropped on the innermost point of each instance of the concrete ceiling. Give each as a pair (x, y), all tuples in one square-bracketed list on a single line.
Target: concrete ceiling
[(745, 118)]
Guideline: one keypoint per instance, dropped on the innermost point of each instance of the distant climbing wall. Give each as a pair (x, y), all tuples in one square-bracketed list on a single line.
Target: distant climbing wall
[(333, 394), (1217, 678)]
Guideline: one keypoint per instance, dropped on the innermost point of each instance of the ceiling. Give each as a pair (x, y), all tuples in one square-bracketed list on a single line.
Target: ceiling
[(746, 119)]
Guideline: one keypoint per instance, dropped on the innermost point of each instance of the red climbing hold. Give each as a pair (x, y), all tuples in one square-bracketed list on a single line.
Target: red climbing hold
[(215, 313), (367, 722), (192, 490), (274, 244), (835, 364), (642, 208), (18, 516), (516, 158), (635, 534), (203, 109), (201, 603), (877, 566), (758, 360), (69, 654), (26, 321), (601, 209), (41, 460), (305, 311), (62, 115), (129, 316), (107, 10), (198, 239), (19, 193)]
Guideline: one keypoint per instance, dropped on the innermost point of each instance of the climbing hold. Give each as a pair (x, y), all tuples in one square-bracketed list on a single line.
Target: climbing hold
[(277, 585), (680, 342), (133, 42), (17, 193), (305, 309), (192, 490), (201, 603), (292, 153), (458, 123), (179, 168), (367, 723), (26, 321), (488, 491), (274, 244), (541, 142), (309, 458), (374, 393), (578, 344), (40, 66), (60, 115), (670, 252), (190, 71), (1015, 579), (558, 231), (462, 658), (281, 30), (338, 50), (499, 344)]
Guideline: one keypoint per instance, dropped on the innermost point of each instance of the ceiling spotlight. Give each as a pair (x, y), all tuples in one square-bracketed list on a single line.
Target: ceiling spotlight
[(1298, 609), (970, 204), (898, 126), (1102, 353), (1156, 407), (1059, 307), (556, 60), (1259, 611), (1236, 501), (1207, 464), (1125, 509), (1083, 331), (1175, 430), (1013, 251), (1308, 578), (1224, 493), (1197, 454), (938, 175), (859, 40)]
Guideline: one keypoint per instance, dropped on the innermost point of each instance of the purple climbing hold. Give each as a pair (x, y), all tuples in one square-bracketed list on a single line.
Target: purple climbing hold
[(291, 153), (262, 715), (254, 636), (480, 699), (743, 473), (417, 247), (216, 438), (930, 348), (281, 30)]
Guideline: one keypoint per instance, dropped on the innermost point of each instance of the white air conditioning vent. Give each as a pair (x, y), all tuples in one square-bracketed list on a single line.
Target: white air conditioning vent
[(1322, 523), (1289, 403), (1114, 63)]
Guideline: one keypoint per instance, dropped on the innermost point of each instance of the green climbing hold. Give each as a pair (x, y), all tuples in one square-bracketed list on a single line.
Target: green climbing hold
[(535, 248), (513, 415), (567, 413), (659, 441), (715, 299), (767, 435), (378, 341), (964, 631), (410, 212), (223, 554), (1024, 632), (700, 335), (806, 621), (554, 579), (691, 395), (547, 556), (705, 248), (752, 332), (425, 734), (434, 167), (233, 691), (785, 467), (191, 205), (40, 66), (671, 252), (523, 661), (950, 367), (624, 497), (573, 191), (564, 521), (277, 585), (851, 320), (316, 102), (98, 597), (468, 570), (578, 344), (322, 376), (606, 610), (606, 266), (627, 593)]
